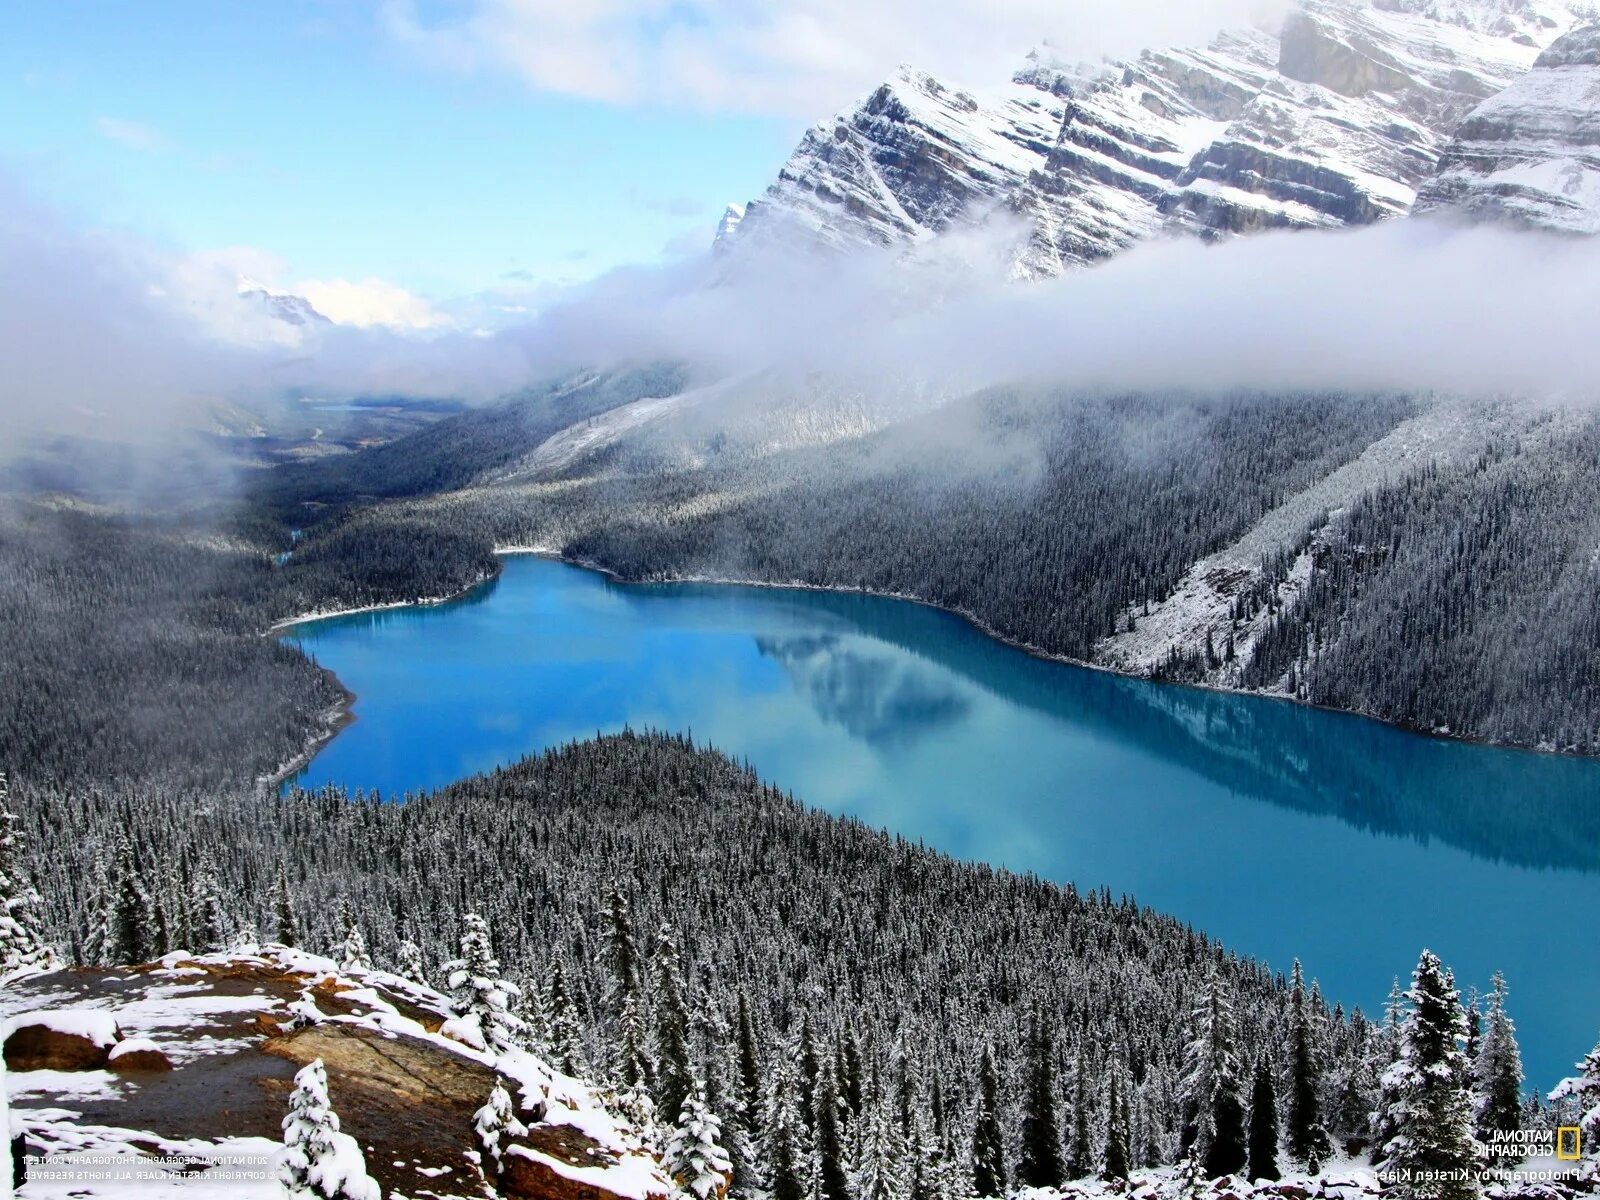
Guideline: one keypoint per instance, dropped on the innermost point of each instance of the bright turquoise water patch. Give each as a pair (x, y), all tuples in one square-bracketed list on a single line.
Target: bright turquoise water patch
[(1279, 829)]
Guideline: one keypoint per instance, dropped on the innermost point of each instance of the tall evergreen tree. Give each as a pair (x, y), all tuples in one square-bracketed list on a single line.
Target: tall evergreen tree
[(674, 1077), (1307, 1139), (1497, 1070), (287, 928), (1425, 1102), (784, 1149), (564, 1036), (353, 945), (988, 1140), (1263, 1123), (833, 1180), (131, 939), (695, 1158), (1118, 1155), (1213, 1085), (1041, 1163), (1080, 1148)]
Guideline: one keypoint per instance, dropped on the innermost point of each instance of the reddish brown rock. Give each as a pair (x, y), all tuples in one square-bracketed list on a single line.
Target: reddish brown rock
[(138, 1056), (524, 1177), (35, 1046)]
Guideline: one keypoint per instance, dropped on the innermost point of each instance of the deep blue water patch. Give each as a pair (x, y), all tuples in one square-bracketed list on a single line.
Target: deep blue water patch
[(1280, 829)]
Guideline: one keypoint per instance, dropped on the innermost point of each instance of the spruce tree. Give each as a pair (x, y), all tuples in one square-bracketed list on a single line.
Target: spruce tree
[(1213, 1085), (210, 926), (287, 928), (1118, 1162), (1263, 1123), (131, 939), (22, 949), (784, 1150), (1579, 1098), (1307, 1139), (877, 1167), (1497, 1071), (1080, 1151), (833, 1180), (353, 946), (1041, 1163), (694, 1155), (408, 962), (485, 999), (1425, 1102), (674, 1077), (564, 1036), (317, 1161), (493, 1123), (988, 1140)]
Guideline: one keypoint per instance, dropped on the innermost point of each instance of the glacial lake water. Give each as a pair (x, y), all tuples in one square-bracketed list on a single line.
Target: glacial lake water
[(1279, 829)]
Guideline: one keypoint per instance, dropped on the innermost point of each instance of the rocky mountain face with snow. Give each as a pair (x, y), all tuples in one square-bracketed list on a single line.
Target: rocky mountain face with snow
[(1337, 117), (1530, 155)]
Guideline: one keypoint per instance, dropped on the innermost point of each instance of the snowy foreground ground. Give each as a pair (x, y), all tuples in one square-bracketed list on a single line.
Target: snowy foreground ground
[(239, 1030)]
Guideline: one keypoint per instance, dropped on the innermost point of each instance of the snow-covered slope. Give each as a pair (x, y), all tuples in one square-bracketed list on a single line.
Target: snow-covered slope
[(1531, 154), (1335, 118)]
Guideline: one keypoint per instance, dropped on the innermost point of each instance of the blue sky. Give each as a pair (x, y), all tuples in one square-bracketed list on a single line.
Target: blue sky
[(307, 131)]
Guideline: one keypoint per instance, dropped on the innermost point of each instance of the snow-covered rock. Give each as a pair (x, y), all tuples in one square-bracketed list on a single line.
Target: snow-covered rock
[(1531, 154), (1334, 118)]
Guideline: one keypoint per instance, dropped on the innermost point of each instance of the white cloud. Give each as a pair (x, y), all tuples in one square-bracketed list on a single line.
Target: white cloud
[(135, 135), (370, 303), (796, 57)]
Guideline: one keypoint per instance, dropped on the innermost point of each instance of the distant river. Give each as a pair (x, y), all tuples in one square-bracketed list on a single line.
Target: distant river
[(1279, 829)]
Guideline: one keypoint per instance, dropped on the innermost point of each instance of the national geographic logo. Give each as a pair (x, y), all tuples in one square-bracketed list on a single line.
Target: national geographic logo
[(1569, 1143)]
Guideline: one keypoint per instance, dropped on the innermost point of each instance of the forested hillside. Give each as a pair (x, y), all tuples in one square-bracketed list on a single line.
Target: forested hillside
[(799, 939)]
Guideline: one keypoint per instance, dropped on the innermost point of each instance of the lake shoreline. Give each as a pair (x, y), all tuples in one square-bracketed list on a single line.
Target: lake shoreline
[(341, 715)]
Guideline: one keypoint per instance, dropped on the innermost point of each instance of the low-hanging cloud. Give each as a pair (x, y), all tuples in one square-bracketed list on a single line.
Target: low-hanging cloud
[(96, 338)]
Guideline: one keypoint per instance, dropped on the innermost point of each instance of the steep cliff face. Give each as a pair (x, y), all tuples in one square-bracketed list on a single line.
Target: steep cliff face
[(1335, 118), (1531, 154)]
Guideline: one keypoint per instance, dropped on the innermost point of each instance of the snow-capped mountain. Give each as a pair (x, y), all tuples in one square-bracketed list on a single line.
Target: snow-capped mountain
[(1335, 118), (1531, 154), (284, 306)]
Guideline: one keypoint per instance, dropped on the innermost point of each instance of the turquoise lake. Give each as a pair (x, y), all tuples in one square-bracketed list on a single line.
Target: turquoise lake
[(1279, 829)]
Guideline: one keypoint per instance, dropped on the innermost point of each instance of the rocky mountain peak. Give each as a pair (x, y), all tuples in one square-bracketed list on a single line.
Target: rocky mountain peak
[(1335, 118)]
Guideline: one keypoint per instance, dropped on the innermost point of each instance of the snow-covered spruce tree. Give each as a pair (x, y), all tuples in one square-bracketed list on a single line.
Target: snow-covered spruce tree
[(130, 938), (494, 1123), (317, 1161), (988, 1139), (1212, 1083), (1041, 1164), (1080, 1139), (286, 927), (408, 962), (1429, 1154), (484, 999), (695, 1158), (783, 1150), (564, 1032), (1118, 1154), (621, 954), (1497, 1070), (674, 1079), (876, 1173), (352, 944), (1306, 1137), (210, 926), (22, 950), (1263, 1123), (832, 1171)]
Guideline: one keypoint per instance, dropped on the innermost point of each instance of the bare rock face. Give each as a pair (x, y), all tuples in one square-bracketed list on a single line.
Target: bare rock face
[(1530, 155), (1336, 118), (60, 1041)]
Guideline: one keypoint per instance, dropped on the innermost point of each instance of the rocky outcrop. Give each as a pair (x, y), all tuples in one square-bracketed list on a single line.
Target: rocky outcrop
[(234, 1028), (1530, 156), (60, 1040), (1336, 118)]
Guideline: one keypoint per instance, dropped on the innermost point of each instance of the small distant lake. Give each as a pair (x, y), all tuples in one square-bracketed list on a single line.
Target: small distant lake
[(1279, 829)]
